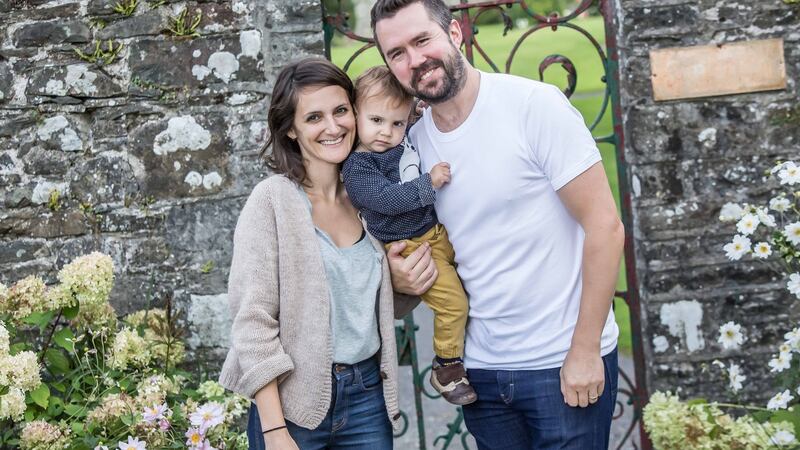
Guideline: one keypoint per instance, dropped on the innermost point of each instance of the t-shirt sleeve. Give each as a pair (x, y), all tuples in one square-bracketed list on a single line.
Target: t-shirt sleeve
[(560, 143)]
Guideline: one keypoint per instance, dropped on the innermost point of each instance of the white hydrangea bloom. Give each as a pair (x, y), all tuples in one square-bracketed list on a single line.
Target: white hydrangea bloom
[(737, 248), (4, 340), (12, 404), (730, 335), (20, 370), (129, 349)]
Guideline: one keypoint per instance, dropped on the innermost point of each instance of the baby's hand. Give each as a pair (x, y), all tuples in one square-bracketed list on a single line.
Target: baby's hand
[(440, 174)]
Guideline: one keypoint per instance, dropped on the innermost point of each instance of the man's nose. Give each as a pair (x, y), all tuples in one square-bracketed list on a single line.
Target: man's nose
[(416, 58)]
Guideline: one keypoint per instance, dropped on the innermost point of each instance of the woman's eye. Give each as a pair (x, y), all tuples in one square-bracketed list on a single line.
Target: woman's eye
[(341, 110), (312, 118)]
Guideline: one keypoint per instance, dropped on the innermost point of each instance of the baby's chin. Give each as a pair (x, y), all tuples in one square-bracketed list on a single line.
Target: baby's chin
[(379, 148)]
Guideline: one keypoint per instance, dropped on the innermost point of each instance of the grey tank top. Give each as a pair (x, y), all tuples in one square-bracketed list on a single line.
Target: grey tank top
[(354, 277)]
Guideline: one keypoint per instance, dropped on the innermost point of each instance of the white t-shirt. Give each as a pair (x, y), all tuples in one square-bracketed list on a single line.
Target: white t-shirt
[(518, 249)]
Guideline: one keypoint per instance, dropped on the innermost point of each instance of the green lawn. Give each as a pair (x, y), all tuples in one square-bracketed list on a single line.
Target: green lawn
[(587, 99)]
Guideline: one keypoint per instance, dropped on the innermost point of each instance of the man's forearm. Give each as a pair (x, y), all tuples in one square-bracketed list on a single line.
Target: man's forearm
[(602, 252)]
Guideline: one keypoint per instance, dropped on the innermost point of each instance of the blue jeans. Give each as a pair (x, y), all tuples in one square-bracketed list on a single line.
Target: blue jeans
[(357, 417), (524, 409)]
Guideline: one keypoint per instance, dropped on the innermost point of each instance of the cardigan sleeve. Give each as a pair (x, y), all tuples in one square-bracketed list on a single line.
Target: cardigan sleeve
[(253, 294)]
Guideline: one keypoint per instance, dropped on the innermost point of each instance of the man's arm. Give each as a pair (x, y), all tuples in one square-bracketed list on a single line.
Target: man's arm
[(589, 200)]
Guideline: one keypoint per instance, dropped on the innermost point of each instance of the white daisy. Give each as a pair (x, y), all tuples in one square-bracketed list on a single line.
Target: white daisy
[(776, 168), (748, 224), (730, 335), (730, 212), (735, 377), (790, 174), (792, 337), (783, 437), (794, 284), (781, 362), (765, 218), (780, 400), (736, 249), (132, 444), (780, 204), (792, 232), (762, 250)]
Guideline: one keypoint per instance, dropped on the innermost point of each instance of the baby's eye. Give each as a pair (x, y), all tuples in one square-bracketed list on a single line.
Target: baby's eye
[(400, 124), (377, 120)]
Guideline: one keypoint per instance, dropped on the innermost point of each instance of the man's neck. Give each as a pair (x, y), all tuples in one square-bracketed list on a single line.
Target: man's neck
[(449, 115)]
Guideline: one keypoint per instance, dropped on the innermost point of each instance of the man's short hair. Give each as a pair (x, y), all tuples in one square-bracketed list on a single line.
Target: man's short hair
[(438, 11), (379, 81)]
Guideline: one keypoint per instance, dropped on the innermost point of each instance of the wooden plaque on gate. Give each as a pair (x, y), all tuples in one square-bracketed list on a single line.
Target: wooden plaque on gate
[(709, 70)]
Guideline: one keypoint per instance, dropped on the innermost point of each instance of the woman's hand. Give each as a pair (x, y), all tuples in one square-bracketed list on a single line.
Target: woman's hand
[(280, 440), (412, 275)]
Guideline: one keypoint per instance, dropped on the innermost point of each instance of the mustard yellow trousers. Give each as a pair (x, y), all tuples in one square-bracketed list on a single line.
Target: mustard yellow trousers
[(446, 297)]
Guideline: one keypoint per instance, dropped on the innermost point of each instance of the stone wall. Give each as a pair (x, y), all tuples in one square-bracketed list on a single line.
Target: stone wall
[(687, 158), (147, 155)]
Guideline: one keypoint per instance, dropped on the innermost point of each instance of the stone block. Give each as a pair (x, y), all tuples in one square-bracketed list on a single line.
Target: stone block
[(56, 32), (105, 178), (75, 80), (182, 156), (152, 22)]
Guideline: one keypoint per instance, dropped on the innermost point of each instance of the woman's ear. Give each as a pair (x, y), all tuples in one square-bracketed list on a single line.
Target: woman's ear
[(292, 135)]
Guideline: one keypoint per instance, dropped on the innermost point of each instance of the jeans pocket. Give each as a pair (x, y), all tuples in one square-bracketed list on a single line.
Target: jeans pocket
[(612, 373), (371, 379)]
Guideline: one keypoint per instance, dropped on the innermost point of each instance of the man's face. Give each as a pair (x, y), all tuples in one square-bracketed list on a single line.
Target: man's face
[(423, 57)]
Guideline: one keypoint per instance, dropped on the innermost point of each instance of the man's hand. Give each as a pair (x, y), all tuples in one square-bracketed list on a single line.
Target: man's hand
[(440, 174), (412, 275), (583, 377)]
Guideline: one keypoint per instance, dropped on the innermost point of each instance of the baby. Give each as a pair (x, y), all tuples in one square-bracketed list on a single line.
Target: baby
[(383, 180)]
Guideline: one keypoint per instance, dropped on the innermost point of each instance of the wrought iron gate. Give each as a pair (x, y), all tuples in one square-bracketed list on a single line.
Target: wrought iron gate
[(632, 390)]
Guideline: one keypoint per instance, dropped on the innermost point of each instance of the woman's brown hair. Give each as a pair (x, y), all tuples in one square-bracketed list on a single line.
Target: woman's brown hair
[(298, 75)]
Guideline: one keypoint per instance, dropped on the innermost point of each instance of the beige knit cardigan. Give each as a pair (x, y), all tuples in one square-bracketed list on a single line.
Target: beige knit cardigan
[(279, 301)]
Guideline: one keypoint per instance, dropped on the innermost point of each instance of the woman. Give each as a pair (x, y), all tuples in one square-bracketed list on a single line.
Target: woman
[(310, 292)]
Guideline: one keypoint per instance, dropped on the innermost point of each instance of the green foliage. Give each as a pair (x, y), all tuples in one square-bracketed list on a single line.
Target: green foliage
[(180, 26), (89, 379), (126, 7), (54, 200), (207, 267), (102, 54)]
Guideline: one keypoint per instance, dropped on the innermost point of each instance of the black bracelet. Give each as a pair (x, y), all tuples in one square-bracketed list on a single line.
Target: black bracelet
[(273, 429)]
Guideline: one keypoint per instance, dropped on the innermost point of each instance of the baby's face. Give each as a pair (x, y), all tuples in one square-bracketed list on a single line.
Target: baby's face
[(381, 123)]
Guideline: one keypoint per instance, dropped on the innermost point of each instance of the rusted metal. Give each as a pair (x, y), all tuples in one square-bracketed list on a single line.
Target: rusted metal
[(632, 391)]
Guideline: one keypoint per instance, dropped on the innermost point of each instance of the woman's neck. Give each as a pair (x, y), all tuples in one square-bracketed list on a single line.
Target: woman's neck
[(323, 182)]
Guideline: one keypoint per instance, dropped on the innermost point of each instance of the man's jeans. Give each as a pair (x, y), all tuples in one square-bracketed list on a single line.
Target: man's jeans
[(356, 420), (524, 409)]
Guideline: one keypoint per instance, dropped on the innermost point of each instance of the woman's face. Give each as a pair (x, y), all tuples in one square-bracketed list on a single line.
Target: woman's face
[(324, 124)]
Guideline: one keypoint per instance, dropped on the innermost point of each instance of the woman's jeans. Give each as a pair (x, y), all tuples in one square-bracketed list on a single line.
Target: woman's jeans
[(524, 409), (357, 417)]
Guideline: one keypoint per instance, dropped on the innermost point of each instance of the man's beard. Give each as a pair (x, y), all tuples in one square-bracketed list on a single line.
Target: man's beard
[(452, 83)]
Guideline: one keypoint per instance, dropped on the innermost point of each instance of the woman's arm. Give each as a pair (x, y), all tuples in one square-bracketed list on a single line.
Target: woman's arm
[(270, 411)]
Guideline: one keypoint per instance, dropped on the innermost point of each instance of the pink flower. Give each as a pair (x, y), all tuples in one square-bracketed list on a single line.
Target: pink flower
[(155, 412), (195, 437), (132, 444), (207, 416), (163, 424), (206, 445)]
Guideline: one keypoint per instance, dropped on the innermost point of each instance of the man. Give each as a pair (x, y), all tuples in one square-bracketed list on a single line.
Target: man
[(534, 225)]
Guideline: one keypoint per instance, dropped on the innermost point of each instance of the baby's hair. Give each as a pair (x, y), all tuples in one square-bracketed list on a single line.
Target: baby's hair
[(379, 81)]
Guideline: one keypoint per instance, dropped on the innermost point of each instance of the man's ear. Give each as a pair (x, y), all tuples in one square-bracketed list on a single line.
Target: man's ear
[(455, 33)]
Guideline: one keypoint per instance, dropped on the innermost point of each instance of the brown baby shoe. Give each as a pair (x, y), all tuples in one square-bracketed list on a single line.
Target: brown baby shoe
[(451, 381)]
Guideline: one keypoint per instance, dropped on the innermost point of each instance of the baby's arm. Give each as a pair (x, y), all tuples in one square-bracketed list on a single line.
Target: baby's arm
[(369, 189)]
